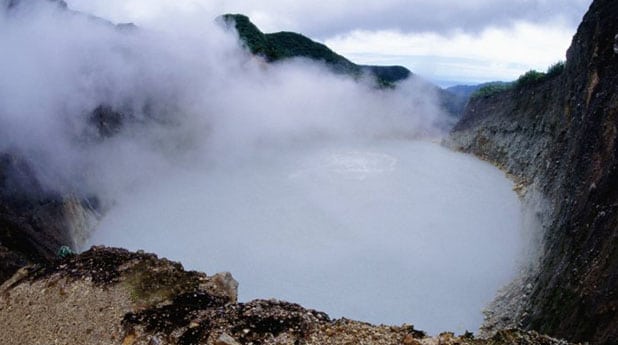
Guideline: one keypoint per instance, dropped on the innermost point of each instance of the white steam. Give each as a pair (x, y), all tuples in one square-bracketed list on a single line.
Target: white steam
[(387, 232), (195, 96), (227, 163)]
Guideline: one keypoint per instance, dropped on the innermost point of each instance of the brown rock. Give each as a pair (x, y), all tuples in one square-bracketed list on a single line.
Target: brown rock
[(129, 339), (226, 339), (226, 283), (410, 340)]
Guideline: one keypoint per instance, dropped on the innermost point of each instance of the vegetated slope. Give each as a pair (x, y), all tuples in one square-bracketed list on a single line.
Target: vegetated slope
[(464, 92), (281, 45), (559, 135), (278, 46)]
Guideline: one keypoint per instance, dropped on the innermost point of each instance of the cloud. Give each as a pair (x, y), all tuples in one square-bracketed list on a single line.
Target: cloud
[(496, 53), (327, 19), (189, 92), (466, 41)]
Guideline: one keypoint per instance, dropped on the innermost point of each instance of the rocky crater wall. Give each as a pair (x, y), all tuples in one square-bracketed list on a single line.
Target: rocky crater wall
[(35, 222), (112, 296), (558, 138)]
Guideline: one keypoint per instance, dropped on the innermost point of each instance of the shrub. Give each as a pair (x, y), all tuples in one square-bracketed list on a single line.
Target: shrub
[(491, 89), (530, 78), (555, 69)]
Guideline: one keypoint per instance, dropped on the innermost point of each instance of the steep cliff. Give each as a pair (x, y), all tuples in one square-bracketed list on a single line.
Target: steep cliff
[(559, 138), (35, 222)]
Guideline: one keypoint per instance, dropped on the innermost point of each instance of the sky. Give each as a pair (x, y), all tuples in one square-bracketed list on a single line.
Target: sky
[(446, 41)]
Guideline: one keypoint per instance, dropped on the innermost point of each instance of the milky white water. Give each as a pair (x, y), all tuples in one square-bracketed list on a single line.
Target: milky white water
[(392, 232)]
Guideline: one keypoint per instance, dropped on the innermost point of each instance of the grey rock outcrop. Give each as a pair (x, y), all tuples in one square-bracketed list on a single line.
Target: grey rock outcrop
[(35, 222)]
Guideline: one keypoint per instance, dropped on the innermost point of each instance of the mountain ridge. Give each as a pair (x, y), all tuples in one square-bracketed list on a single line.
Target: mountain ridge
[(285, 44), (274, 47)]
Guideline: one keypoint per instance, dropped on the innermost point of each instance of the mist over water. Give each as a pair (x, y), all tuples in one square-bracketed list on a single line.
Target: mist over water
[(390, 231), (307, 186)]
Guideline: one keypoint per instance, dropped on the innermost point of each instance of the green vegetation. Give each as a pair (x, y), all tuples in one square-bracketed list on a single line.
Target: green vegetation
[(533, 77), (65, 251), (253, 38), (492, 88), (387, 75), (284, 45), (529, 78), (555, 69), (289, 45), (151, 286)]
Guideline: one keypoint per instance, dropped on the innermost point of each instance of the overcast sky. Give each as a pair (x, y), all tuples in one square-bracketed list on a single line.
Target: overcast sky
[(443, 40)]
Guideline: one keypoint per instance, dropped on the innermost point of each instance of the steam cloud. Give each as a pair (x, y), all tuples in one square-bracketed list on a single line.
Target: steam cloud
[(195, 95), (210, 132)]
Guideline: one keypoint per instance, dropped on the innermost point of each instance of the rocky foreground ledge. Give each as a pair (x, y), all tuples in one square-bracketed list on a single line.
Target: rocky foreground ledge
[(113, 296)]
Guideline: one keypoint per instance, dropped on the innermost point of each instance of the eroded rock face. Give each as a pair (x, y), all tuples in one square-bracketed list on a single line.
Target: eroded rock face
[(559, 138), (35, 222), (112, 296)]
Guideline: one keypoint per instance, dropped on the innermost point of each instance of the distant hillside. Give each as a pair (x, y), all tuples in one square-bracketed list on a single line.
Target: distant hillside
[(462, 93), (527, 79), (283, 45)]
